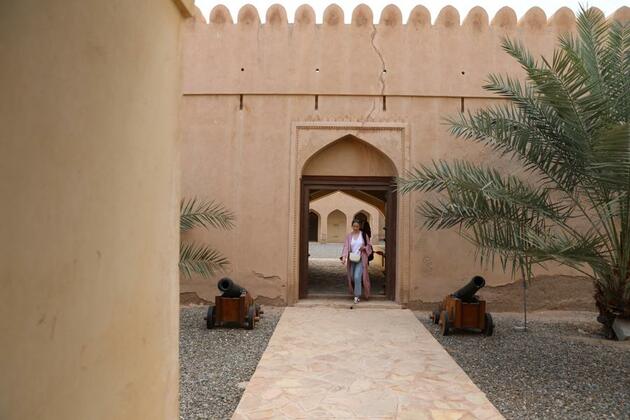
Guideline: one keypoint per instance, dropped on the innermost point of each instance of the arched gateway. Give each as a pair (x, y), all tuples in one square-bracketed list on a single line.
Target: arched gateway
[(351, 164)]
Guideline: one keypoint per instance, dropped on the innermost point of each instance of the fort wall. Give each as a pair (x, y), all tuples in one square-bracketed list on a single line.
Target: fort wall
[(260, 98)]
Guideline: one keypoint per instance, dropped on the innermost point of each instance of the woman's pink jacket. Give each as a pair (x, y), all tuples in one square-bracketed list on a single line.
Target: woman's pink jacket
[(364, 261)]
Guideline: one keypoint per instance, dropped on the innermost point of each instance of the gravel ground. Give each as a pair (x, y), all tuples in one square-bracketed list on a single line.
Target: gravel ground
[(215, 364), (560, 369)]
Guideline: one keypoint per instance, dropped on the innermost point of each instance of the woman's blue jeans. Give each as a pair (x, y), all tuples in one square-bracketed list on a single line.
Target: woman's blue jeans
[(357, 275)]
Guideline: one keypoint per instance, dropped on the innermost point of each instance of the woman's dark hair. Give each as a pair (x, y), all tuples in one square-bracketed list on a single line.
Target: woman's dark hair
[(357, 221), (367, 229)]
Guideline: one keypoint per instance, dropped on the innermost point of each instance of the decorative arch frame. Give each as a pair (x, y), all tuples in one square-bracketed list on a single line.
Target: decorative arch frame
[(334, 210), (319, 222), (307, 139), (367, 214), (315, 211), (345, 219)]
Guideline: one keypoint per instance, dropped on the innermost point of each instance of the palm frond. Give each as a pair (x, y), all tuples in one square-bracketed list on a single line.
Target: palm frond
[(568, 250), (200, 259), (196, 213), (558, 84), (478, 193), (568, 124), (610, 161), (616, 70), (527, 133)]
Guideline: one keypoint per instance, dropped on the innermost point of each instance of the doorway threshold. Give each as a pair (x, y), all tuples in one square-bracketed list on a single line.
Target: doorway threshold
[(342, 296), (345, 302)]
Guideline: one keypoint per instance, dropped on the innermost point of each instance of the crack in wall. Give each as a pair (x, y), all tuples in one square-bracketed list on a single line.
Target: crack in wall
[(265, 277), (382, 72)]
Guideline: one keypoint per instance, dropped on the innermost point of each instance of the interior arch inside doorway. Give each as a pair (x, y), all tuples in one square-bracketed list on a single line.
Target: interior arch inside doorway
[(349, 156)]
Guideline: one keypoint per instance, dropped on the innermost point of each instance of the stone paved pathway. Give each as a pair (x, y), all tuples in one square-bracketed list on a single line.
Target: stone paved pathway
[(374, 363)]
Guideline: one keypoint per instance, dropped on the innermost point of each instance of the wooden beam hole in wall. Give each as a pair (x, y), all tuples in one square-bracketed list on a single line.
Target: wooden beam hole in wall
[(240, 105)]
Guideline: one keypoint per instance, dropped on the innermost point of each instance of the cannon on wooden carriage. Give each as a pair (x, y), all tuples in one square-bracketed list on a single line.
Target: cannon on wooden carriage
[(235, 307), (464, 310)]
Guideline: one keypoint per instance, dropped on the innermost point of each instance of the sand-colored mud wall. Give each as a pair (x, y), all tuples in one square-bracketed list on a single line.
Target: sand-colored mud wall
[(260, 98), (89, 180)]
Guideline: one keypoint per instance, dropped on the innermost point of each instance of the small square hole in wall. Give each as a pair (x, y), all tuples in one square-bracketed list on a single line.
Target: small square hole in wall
[(242, 69), (316, 70), (463, 73)]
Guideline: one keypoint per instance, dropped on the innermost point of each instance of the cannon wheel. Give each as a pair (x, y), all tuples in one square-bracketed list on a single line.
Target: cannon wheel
[(489, 327), (436, 316), (210, 318), (444, 323), (251, 314)]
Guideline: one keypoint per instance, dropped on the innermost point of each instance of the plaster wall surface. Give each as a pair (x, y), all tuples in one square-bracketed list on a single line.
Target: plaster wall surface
[(281, 93), (89, 178)]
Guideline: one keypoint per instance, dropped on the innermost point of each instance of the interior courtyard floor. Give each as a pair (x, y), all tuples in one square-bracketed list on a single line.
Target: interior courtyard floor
[(329, 276)]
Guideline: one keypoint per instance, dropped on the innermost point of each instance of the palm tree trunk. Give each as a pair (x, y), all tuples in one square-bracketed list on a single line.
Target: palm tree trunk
[(610, 300)]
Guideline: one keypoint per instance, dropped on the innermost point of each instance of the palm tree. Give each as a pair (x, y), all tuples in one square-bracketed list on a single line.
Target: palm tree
[(200, 258), (566, 124)]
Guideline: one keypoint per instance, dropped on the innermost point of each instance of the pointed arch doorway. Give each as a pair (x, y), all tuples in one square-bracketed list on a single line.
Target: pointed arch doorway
[(329, 150), (379, 190)]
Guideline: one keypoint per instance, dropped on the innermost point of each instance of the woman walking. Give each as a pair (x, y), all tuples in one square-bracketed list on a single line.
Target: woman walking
[(355, 253)]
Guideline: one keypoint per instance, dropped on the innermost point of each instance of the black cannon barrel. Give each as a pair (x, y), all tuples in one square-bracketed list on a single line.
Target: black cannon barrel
[(467, 292), (229, 288)]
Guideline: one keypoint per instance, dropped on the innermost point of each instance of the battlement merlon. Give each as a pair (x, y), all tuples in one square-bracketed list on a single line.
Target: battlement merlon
[(444, 59)]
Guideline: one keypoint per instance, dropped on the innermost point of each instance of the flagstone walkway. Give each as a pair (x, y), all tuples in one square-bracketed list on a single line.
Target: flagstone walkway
[(374, 363)]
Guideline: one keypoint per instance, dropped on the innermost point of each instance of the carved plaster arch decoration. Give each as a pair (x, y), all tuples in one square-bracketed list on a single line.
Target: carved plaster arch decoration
[(319, 223), (316, 212), (367, 214), (338, 233), (389, 138)]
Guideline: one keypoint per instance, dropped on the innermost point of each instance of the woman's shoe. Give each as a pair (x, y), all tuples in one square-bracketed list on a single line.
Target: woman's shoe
[(356, 300)]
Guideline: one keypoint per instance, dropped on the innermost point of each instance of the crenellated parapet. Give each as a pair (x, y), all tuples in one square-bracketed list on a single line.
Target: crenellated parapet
[(392, 16), (449, 57)]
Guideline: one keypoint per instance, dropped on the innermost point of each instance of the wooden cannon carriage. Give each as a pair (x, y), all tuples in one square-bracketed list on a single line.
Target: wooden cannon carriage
[(464, 310), (235, 307)]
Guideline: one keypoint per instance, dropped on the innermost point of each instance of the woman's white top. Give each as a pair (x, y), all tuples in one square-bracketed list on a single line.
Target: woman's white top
[(356, 243)]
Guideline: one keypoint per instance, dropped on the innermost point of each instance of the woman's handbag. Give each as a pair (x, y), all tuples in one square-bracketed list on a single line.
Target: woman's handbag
[(355, 257)]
